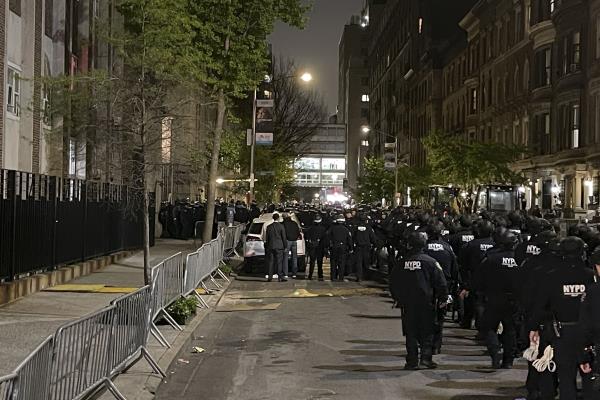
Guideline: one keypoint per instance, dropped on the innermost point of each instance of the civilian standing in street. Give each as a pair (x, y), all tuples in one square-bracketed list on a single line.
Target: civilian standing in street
[(275, 245), (292, 232)]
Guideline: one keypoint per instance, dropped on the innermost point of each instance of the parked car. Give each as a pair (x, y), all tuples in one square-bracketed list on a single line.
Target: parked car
[(254, 247)]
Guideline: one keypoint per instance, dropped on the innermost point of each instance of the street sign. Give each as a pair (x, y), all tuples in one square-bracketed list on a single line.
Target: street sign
[(265, 103), (265, 173), (249, 137)]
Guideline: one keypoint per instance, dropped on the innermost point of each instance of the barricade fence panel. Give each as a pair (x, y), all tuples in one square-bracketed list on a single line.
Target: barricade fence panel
[(131, 325), (82, 355), (33, 374), (88, 352)]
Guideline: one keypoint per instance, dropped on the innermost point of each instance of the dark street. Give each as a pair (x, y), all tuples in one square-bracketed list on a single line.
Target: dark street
[(337, 345)]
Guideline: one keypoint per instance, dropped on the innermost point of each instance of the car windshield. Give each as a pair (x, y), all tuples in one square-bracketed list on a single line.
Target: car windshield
[(256, 228)]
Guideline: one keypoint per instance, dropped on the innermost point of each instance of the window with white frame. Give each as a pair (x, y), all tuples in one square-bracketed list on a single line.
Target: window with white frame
[(576, 48), (575, 112), (365, 98), (13, 101)]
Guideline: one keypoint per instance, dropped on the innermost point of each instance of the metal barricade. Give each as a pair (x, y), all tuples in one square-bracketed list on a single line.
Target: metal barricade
[(168, 279), (33, 374), (231, 239), (83, 356), (6, 386)]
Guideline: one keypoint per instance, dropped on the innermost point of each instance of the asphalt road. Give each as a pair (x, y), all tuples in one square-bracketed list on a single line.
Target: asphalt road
[(335, 346)]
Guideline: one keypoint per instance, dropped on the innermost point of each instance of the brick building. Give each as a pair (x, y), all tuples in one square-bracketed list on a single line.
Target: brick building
[(513, 71)]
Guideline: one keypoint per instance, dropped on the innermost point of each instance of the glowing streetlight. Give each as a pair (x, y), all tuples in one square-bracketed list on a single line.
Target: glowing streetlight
[(365, 129), (306, 77), (220, 181)]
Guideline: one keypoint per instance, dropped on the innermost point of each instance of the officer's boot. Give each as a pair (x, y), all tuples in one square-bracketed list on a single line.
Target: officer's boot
[(427, 354)]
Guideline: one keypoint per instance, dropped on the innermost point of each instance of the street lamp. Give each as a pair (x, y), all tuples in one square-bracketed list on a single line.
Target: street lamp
[(366, 129), (306, 77)]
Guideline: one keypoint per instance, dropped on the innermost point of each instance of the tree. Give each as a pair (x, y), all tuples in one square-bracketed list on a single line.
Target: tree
[(467, 165), (126, 113), (418, 179), (375, 183), (234, 34)]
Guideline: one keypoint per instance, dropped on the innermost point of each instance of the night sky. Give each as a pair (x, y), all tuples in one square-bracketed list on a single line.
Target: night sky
[(315, 48)]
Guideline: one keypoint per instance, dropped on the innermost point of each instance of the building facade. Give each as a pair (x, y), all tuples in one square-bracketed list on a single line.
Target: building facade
[(322, 169), (524, 72), (353, 106)]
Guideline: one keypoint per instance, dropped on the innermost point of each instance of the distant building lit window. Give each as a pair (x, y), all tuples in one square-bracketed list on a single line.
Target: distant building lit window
[(364, 143), (420, 25), (167, 136), (575, 111), (365, 98)]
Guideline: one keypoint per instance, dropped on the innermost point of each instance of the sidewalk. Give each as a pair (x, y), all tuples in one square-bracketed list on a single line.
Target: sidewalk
[(27, 322)]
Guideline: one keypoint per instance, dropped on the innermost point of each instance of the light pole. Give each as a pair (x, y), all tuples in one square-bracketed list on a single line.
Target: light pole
[(366, 129), (306, 77)]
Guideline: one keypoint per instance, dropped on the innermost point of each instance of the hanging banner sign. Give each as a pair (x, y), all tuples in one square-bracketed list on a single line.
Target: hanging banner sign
[(264, 139)]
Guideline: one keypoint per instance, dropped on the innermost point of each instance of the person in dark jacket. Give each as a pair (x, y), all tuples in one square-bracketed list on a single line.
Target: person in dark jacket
[(498, 281), (589, 321), (471, 255), (275, 245), (560, 295), (442, 252), (364, 238), (340, 244), (293, 234), (417, 284), (315, 244)]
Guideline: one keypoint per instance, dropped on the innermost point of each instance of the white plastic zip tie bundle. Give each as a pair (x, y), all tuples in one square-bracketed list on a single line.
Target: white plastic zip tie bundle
[(545, 362), (531, 354)]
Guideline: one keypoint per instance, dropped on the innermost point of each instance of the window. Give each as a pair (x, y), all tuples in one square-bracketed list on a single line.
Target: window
[(420, 25), (333, 164), (364, 81), (332, 179), (15, 6), (543, 68), (575, 112), (473, 100), (364, 113), (364, 143), (552, 5), (365, 98), (308, 178), (308, 164), (565, 55), (72, 157), (518, 25), (598, 36), (13, 104), (597, 117), (49, 6), (167, 134), (576, 59)]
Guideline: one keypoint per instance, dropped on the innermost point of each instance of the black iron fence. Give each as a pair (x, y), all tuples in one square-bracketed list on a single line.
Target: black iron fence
[(47, 221)]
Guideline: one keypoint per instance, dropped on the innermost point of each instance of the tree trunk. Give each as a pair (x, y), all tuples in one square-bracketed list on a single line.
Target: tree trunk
[(146, 213), (214, 169)]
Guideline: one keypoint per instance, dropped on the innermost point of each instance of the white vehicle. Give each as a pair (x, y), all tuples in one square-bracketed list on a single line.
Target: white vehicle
[(254, 247)]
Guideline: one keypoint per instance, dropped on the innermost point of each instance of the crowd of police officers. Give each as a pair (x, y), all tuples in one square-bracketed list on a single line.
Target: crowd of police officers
[(526, 289)]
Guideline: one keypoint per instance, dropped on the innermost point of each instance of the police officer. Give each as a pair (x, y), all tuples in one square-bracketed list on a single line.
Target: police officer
[(589, 320), (535, 269), (463, 235), (340, 243), (417, 284), (315, 244), (528, 248), (364, 238), (498, 280), (560, 295), (471, 255), (442, 252)]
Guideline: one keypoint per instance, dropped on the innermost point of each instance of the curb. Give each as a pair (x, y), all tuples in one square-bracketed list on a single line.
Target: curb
[(15, 290)]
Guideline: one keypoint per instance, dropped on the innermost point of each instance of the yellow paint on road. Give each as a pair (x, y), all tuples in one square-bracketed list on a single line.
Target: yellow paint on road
[(90, 288), (253, 306), (303, 293)]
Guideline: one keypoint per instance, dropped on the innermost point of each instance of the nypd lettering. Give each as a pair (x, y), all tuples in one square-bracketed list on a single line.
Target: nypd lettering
[(412, 265), (435, 247), (533, 250), (445, 232), (467, 238), (485, 246), (509, 262), (573, 290), (362, 228)]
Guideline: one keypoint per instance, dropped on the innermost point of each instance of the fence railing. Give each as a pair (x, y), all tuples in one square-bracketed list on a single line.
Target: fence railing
[(86, 354), (47, 220)]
